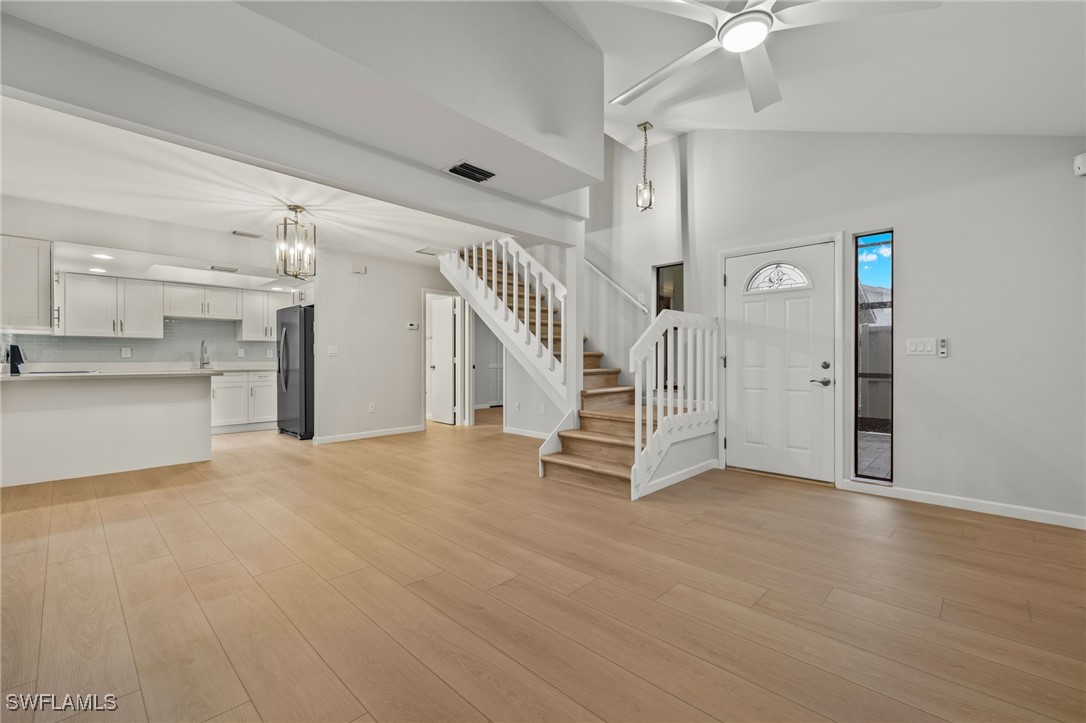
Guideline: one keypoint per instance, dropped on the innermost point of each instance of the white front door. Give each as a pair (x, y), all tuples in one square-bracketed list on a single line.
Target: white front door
[(442, 356), (781, 371)]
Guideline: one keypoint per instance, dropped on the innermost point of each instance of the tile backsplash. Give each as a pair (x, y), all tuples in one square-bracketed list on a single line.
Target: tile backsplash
[(180, 343)]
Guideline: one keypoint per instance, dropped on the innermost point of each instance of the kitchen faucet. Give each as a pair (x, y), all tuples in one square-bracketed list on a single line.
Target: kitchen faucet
[(204, 361)]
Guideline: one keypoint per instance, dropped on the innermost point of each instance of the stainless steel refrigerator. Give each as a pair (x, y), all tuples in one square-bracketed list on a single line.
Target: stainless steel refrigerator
[(294, 382)]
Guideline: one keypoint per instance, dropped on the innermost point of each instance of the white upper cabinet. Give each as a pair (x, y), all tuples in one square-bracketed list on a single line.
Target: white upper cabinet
[(258, 314), (184, 300), (305, 295), (140, 304), (26, 283), (90, 305), (105, 306), (222, 303), (202, 302), (254, 316)]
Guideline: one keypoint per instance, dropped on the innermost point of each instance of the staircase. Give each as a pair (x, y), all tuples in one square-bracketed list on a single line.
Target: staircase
[(617, 438), (600, 453)]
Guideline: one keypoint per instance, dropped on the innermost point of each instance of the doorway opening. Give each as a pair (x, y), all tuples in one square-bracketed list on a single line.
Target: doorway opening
[(488, 371), (670, 288), (448, 355)]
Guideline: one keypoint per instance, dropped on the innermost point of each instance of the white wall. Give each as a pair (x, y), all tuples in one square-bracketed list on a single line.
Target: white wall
[(380, 360), (990, 251), (625, 243), (521, 389)]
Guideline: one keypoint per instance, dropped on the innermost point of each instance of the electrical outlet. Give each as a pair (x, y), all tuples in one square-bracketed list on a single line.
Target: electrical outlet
[(126, 352), (270, 353), (241, 353), (641, 298), (333, 351), (373, 407), (516, 406)]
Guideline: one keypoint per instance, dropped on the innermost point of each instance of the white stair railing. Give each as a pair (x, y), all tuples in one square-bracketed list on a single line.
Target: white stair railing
[(675, 390), (522, 303)]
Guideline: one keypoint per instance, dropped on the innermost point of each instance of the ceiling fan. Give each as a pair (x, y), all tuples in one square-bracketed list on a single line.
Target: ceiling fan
[(741, 27)]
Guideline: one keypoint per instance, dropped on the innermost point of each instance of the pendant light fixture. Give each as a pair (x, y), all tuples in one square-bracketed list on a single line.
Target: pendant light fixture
[(645, 193), (296, 246)]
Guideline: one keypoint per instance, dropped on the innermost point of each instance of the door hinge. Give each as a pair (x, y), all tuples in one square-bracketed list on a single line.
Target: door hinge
[(724, 359), (725, 280), (725, 443)]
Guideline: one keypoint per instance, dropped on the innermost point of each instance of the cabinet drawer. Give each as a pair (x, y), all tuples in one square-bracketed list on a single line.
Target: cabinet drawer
[(230, 378), (261, 376)]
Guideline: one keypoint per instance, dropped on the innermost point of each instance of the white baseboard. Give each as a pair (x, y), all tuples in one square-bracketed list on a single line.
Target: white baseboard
[(666, 481), (525, 432), (367, 435), (1033, 514), (490, 405), (235, 428)]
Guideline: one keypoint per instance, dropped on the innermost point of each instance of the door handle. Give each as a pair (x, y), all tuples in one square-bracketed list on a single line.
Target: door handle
[(122, 326), (824, 381), (433, 367)]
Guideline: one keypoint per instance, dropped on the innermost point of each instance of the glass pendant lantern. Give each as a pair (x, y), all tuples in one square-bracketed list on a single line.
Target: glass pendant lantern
[(645, 192), (296, 246)]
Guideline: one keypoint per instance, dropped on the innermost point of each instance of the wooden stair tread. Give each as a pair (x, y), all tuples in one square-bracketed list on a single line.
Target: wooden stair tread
[(610, 469), (619, 414), (604, 370), (598, 437), (606, 390)]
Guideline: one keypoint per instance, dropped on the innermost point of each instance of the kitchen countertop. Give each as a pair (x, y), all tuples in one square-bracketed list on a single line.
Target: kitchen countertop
[(46, 376)]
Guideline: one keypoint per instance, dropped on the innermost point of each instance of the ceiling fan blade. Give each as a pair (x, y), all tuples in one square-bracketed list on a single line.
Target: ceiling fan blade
[(831, 11), (689, 9), (761, 80), (643, 86)]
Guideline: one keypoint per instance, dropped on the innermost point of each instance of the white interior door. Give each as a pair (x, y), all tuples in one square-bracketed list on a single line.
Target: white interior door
[(781, 370), (442, 360)]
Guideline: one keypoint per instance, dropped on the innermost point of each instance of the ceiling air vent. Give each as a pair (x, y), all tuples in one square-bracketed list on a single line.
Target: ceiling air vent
[(470, 172), (224, 269), (246, 234), (430, 251)]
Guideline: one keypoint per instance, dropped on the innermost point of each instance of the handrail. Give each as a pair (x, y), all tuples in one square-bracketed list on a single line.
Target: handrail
[(612, 282)]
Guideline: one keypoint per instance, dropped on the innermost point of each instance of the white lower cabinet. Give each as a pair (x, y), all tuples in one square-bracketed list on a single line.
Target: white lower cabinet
[(243, 398), (229, 399)]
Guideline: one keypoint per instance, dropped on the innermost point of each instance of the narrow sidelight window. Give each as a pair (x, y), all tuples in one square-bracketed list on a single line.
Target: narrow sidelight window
[(874, 393)]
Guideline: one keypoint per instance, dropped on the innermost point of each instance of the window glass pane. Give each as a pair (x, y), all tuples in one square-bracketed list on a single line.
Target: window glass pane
[(874, 355)]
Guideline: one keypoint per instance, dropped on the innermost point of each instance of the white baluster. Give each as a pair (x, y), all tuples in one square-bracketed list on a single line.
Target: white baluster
[(505, 280), (661, 373), (550, 322), (638, 391), (671, 375), (516, 292), (494, 270), (475, 265), (649, 414), (538, 314), (680, 360), (691, 355)]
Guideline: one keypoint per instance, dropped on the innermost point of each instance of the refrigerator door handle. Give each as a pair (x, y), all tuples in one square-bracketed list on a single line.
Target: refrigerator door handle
[(284, 368)]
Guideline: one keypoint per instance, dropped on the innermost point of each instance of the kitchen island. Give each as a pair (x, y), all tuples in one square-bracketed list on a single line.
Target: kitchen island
[(59, 425)]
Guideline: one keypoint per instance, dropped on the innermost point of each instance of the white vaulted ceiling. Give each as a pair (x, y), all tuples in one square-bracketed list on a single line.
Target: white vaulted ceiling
[(61, 159), (1002, 67)]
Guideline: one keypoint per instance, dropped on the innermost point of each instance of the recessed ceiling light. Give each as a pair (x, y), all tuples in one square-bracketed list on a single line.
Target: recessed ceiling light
[(102, 256), (745, 31), (97, 271), (277, 288)]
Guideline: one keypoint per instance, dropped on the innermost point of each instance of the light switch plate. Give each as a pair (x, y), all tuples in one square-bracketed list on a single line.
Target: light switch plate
[(241, 353), (373, 407), (126, 352), (920, 347), (333, 351)]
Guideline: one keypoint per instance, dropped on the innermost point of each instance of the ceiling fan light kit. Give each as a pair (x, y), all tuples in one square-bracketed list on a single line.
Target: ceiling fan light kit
[(745, 31), (295, 246), (645, 194)]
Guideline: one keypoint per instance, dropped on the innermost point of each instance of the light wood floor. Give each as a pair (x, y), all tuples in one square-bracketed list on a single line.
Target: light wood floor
[(434, 576)]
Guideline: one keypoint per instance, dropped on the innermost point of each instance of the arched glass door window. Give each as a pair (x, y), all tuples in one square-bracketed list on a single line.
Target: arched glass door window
[(778, 277)]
